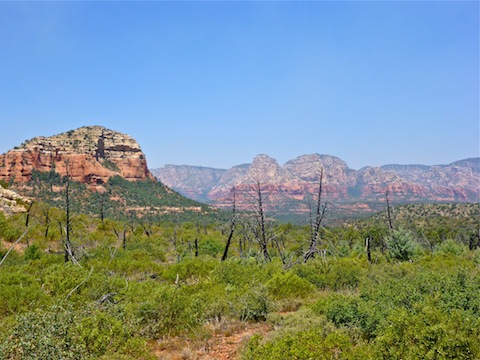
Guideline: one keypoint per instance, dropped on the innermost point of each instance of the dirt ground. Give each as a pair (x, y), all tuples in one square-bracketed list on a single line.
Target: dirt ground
[(225, 343)]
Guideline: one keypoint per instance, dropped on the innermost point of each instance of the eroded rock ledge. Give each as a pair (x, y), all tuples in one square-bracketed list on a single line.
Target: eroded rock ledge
[(90, 154)]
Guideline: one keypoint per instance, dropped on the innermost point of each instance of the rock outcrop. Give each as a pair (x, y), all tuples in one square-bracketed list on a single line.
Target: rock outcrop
[(90, 155), (11, 202), (295, 183)]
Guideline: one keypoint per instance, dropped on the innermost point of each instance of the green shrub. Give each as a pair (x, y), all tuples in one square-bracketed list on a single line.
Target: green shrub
[(401, 245), (451, 247), (163, 309), (305, 345), (43, 335), (429, 334), (288, 286), (189, 268), (19, 292), (210, 247), (338, 308), (252, 303), (314, 271), (344, 273), (60, 279), (32, 252)]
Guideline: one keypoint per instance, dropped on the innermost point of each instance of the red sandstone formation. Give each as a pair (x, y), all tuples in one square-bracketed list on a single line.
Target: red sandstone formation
[(89, 155)]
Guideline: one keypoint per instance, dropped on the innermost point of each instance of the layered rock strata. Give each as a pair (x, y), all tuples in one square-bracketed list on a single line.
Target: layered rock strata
[(296, 182), (90, 155)]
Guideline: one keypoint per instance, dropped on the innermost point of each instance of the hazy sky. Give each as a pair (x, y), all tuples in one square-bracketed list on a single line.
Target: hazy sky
[(216, 83)]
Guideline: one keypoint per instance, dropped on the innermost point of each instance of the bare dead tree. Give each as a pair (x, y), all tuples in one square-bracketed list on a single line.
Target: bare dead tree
[(103, 205), (68, 225), (320, 211), (146, 228), (46, 213), (367, 247), (232, 224), (122, 236), (27, 219), (389, 210), (262, 236)]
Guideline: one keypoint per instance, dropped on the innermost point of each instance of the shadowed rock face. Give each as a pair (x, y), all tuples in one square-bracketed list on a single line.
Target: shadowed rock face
[(90, 155), (297, 180)]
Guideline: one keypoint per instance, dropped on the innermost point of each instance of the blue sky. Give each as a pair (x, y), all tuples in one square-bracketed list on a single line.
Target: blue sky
[(216, 83)]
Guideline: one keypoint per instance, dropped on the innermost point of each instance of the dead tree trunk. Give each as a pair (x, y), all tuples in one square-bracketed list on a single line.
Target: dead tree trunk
[(47, 221), (27, 219), (389, 210), (232, 225), (263, 239), (124, 238), (367, 246), (319, 216), (68, 227), (144, 227)]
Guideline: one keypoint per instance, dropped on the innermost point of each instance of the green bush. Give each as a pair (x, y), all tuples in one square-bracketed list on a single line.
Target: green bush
[(314, 271), (211, 247), (288, 286), (163, 309), (401, 245), (344, 273), (63, 332), (451, 247), (339, 309), (252, 303), (43, 335), (429, 334), (306, 345), (32, 252), (19, 292)]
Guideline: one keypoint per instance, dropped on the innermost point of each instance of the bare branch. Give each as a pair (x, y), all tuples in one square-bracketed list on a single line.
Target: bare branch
[(83, 282), (13, 245)]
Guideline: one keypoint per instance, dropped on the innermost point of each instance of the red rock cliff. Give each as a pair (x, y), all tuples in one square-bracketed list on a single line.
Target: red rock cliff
[(90, 154)]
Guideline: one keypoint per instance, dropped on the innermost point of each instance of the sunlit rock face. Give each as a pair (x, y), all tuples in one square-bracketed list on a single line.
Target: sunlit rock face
[(90, 154), (11, 202), (294, 184)]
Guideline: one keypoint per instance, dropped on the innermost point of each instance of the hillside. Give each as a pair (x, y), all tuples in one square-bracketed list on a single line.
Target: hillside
[(90, 154), (106, 171), (293, 184), (160, 290)]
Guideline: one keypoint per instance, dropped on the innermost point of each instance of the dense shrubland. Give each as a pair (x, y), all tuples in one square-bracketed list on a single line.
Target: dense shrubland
[(135, 281)]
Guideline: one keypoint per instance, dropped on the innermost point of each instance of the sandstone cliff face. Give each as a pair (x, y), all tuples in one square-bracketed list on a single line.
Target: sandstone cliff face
[(90, 154), (294, 183)]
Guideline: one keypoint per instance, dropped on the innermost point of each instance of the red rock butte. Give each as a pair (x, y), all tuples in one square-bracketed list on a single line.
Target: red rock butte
[(90, 154)]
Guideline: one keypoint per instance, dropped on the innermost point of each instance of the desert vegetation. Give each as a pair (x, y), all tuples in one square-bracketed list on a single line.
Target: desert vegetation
[(136, 289)]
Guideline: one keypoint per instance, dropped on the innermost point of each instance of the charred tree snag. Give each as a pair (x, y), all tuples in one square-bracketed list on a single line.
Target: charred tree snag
[(317, 223), (232, 225)]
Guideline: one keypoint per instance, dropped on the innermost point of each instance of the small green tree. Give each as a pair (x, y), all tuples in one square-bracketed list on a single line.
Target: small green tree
[(400, 245)]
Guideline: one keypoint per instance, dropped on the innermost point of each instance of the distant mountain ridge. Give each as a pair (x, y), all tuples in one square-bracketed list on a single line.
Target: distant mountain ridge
[(296, 181)]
